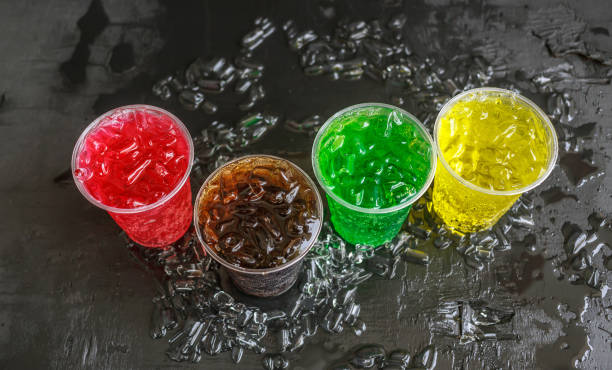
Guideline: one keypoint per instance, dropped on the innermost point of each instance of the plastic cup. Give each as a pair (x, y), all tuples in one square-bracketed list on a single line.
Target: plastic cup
[(466, 207), (371, 226), (265, 282), (153, 225)]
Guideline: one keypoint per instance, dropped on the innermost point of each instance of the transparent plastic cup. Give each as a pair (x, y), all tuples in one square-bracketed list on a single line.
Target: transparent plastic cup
[(466, 207), (371, 226), (265, 282), (152, 225)]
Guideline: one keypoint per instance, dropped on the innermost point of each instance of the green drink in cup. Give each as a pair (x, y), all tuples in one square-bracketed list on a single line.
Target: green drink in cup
[(373, 161)]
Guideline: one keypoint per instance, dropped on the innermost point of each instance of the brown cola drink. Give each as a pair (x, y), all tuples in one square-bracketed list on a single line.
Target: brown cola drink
[(259, 212)]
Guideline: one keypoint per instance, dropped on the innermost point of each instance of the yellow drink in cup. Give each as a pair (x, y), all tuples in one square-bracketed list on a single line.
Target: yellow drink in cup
[(493, 145)]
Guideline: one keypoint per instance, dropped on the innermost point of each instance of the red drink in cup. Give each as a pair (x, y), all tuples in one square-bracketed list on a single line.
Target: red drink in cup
[(134, 162)]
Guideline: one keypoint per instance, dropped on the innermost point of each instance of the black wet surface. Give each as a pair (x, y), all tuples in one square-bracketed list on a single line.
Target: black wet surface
[(73, 298)]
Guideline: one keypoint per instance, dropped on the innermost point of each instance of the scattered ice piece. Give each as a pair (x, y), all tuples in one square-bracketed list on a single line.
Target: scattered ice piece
[(275, 362), (368, 356), (256, 93), (416, 256)]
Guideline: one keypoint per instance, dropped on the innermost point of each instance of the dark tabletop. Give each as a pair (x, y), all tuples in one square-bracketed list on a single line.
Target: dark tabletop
[(72, 297)]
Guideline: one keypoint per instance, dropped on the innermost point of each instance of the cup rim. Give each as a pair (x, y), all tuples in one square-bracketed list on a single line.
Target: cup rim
[(81, 140), (547, 125), (253, 271), (344, 203)]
